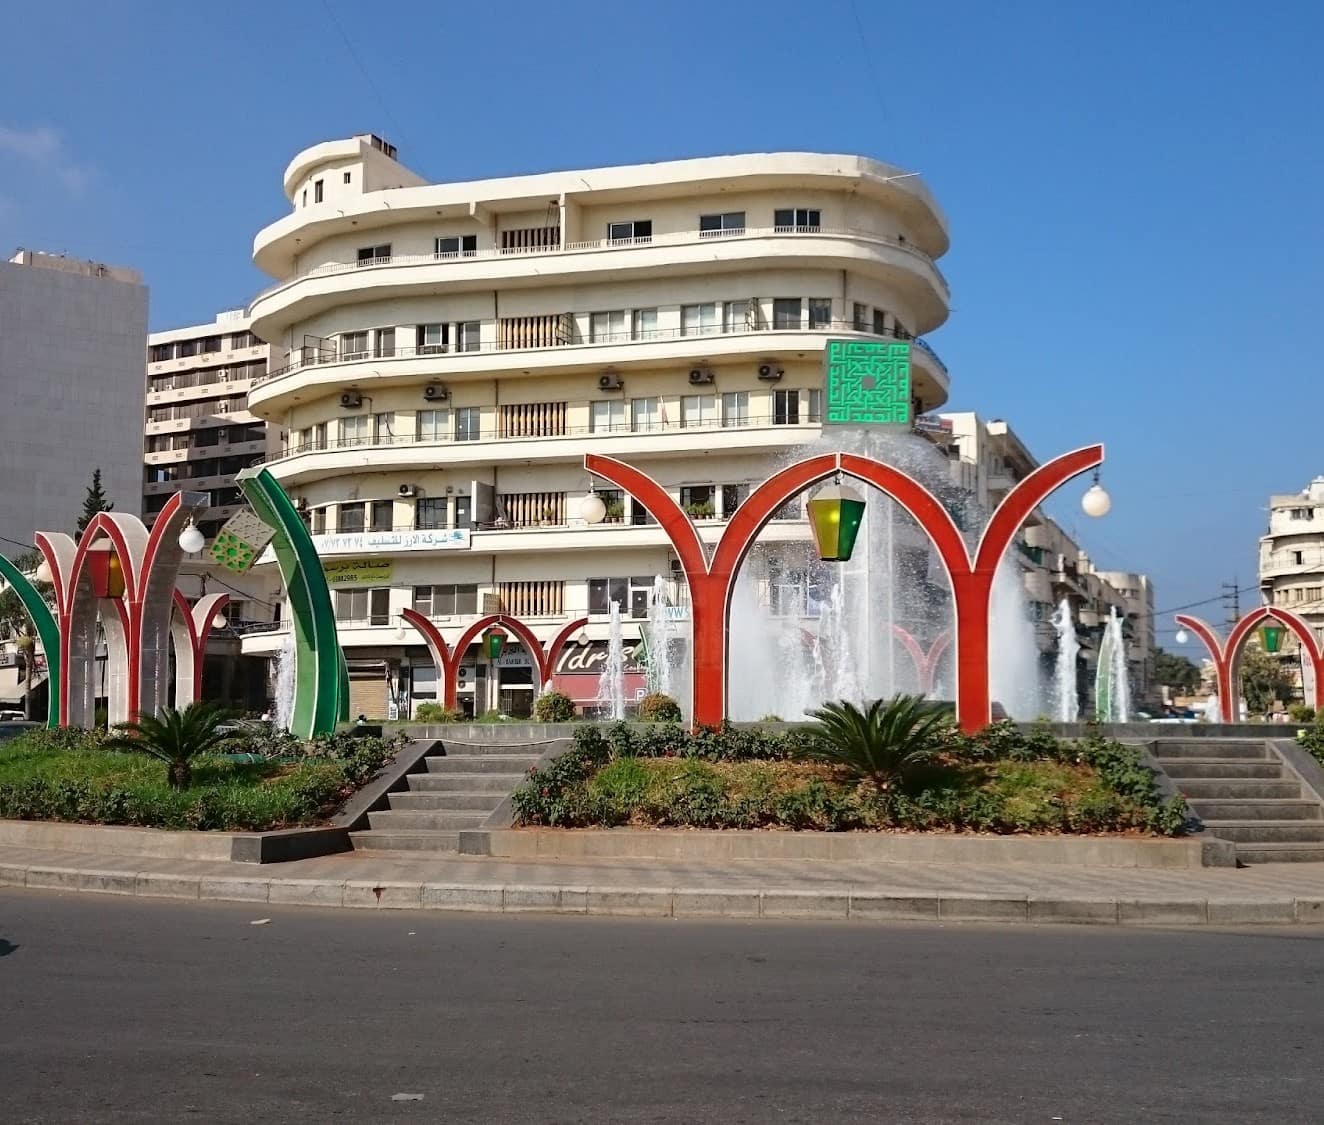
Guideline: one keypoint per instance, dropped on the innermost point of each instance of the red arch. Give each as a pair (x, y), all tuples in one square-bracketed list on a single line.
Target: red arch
[(447, 657), (1227, 658), (926, 663), (711, 584)]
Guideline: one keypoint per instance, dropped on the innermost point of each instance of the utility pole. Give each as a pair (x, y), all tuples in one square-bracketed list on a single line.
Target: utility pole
[(1232, 602)]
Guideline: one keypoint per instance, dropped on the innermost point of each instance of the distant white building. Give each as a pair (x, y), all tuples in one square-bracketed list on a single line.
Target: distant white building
[(1292, 554), (72, 335)]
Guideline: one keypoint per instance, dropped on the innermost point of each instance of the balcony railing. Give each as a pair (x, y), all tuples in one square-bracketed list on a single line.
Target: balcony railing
[(675, 238), (597, 339)]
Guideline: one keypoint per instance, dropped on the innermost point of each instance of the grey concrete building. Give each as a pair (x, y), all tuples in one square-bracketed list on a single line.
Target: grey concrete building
[(72, 336)]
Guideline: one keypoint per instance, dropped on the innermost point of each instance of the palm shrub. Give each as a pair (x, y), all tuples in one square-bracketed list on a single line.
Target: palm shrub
[(880, 744), (175, 737)]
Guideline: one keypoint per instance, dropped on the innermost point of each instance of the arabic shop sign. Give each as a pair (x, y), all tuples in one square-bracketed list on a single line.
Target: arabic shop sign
[(358, 572), (387, 542)]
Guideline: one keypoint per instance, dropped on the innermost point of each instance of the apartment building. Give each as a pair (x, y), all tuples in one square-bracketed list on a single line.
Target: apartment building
[(198, 433), (446, 354), (71, 345), (1291, 566)]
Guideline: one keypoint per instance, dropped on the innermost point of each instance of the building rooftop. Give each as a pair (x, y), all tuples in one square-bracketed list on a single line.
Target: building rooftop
[(44, 260)]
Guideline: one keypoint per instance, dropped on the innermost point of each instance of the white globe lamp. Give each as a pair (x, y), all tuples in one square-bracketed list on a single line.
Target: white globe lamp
[(44, 571), (592, 509), (1096, 502), (1182, 636), (191, 540), (219, 621)]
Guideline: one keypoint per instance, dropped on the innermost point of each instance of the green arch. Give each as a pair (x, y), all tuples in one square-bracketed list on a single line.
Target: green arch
[(47, 630), (321, 681)]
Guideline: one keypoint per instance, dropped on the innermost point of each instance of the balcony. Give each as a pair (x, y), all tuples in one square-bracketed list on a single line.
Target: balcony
[(334, 283)]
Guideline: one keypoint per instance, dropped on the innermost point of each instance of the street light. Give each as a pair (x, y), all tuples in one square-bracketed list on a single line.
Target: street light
[(220, 621), (1182, 636), (591, 507), (191, 540), (43, 571), (1096, 502)]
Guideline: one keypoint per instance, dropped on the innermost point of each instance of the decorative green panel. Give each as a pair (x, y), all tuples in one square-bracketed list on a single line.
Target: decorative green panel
[(47, 629), (867, 382), (321, 689)]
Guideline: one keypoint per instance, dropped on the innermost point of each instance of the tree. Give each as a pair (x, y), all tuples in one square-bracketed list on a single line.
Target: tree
[(95, 501), (175, 737), (16, 625), (1264, 679), (1175, 672)]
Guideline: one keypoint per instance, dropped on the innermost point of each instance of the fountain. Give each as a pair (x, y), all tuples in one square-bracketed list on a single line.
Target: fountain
[(1213, 710), (1066, 699), (283, 674), (611, 684), (661, 631), (1112, 688)]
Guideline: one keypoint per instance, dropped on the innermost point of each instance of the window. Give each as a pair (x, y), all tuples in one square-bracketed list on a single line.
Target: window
[(383, 428), (733, 495), (735, 408), (159, 353), (879, 322), (631, 594), (603, 327), (699, 501), (374, 255), (794, 591), (899, 332), (348, 177), (349, 517), (698, 410), (319, 436), (383, 342), (792, 510), (698, 320), (354, 430), (429, 514), (468, 420), (815, 413), (607, 415), (466, 336), (372, 607), (353, 345), (1298, 558), (463, 512), (786, 408), (636, 230), (715, 226), (795, 219), (304, 201), (209, 344), (735, 316), (317, 191), (430, 339), (646, 413), (433, 425), (786, 312), (319, 521), (1301, 513), (382, 515), (465, 245), (446, 601), (860, 317), (643, 324), (820, 312)]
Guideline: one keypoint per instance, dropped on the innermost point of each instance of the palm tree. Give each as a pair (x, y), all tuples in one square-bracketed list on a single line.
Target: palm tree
[(882, 743), (175, 737)]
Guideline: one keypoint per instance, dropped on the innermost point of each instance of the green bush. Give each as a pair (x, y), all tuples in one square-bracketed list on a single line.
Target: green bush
[(436, 713), (658, 707), (1300, 712), (881, 744), (553, 707)]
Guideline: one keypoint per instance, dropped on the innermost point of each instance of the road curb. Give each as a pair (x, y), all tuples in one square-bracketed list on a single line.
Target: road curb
[(771, 903)]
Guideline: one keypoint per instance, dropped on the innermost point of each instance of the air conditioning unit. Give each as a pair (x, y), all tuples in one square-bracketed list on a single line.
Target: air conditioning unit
[(407, 490), (610, 382), (700, 376), (301, 504), (770, 373), (351, 398), (434, 392)]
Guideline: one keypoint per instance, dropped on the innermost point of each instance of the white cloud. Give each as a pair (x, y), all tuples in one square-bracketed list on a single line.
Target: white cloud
[(43, 150)]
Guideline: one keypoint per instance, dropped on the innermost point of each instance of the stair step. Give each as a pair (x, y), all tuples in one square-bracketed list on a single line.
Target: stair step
[(1210, 748), (1281, 852), (483, 763), (460, 801), (464, 782), (424, 820), (405, 841), (1236, 788), (1181, 768), (1268, 831), (488, 749), (1273, 808)]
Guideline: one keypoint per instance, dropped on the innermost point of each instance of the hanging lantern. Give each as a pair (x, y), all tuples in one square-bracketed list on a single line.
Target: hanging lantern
[(1271, 637), (493, 642), (114, 577), (834, 517)]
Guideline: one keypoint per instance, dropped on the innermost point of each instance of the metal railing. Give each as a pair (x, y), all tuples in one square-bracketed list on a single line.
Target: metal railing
[(593, 339), (675, 238)]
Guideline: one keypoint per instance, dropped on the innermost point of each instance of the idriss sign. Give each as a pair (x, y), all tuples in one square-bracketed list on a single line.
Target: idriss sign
[(358, 572), (589, 659)]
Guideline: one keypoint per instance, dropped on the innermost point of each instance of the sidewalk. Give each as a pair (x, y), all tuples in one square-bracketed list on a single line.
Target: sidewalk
[(825, 890)]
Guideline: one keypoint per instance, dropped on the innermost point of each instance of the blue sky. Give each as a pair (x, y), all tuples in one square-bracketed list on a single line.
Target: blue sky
[(1133, 188)]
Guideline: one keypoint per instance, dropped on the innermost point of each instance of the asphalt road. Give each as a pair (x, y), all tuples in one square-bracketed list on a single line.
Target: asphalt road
[(115, 1010)]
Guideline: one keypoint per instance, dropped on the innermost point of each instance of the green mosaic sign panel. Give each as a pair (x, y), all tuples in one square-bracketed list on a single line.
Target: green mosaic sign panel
[(867, 382), (238, 544)]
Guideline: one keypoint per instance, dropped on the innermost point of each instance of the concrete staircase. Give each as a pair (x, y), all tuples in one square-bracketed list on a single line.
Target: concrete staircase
[(461, 788), (1244, 792)]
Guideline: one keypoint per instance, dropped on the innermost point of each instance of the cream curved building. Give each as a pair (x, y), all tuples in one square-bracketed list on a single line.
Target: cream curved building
[(444, 355)]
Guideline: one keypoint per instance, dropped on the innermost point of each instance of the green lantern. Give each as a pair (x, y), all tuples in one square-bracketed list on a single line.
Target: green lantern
[(834, 517), (1271, 637), (495, 640)]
